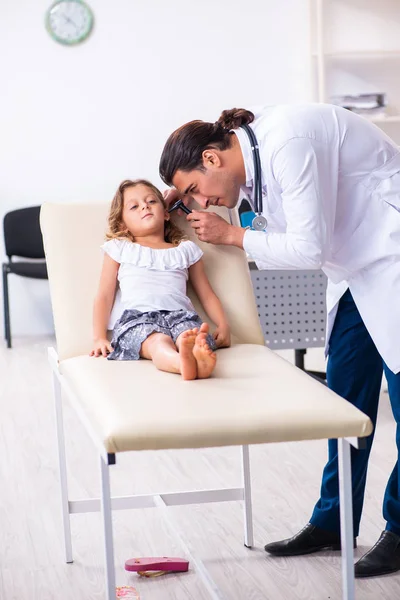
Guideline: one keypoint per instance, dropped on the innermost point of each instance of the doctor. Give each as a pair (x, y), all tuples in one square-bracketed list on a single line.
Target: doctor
[(331, 198)]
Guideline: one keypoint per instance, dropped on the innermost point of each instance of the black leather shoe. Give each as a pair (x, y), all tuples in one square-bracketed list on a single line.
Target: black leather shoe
[(310, 539), (383, 558)]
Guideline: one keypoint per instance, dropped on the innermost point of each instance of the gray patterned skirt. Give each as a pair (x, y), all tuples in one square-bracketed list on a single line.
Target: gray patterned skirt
[(134, 327)]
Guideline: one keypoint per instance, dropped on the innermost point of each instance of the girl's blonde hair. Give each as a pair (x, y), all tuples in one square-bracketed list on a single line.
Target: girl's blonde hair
[(116, 228)]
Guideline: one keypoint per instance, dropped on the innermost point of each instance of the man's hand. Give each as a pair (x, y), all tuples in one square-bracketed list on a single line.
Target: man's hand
[(210, 227)]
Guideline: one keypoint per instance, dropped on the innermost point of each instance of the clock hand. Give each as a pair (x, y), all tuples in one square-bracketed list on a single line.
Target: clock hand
[(69, 20)]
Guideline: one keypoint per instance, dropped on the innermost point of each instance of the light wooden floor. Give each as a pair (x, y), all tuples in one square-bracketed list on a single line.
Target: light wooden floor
[(286, 479)]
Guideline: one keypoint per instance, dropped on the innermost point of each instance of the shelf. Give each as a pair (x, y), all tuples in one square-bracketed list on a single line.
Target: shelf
[(359, 62), (384, 120), (362, 55)]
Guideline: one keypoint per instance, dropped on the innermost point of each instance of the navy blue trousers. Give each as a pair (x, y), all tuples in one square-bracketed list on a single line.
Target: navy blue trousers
[(354, 371)]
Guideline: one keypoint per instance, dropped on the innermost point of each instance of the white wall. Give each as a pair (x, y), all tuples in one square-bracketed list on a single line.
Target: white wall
[(76, 121)]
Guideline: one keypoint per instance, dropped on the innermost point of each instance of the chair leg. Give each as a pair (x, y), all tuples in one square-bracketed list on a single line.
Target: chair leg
[(108, 531), (299, 355), (7, 326), (346, 520), (62, 463), (299, 363), (248, 512)]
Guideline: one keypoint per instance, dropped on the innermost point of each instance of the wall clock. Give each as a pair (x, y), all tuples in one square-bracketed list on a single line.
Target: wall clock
[(69, 21)]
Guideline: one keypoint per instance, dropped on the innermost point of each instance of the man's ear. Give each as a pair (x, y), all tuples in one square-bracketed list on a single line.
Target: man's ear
[(211, 159)]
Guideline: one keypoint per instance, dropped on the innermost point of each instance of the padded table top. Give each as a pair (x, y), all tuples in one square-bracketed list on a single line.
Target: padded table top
[(254, 397)]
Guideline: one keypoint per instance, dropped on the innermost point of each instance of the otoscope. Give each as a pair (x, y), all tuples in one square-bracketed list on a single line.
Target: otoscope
[(181, 205)]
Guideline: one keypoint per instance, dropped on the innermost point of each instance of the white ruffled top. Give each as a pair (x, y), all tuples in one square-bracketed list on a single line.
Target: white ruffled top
[(152, 279), (158, 259)]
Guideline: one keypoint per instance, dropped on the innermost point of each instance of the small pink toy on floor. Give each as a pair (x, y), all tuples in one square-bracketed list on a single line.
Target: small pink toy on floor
[(155, 566), (127, 592)]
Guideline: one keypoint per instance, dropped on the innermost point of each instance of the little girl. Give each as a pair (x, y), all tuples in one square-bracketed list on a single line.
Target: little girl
[(148, 256)]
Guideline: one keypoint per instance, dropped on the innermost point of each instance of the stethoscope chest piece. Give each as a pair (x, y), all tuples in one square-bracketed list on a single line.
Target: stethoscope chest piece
[(259, 223)]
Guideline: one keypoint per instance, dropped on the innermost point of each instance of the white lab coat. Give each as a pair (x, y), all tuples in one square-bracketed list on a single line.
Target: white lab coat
[(331, 195)]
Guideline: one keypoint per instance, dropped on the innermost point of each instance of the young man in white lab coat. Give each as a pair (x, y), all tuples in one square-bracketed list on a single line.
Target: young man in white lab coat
[(331, 197)]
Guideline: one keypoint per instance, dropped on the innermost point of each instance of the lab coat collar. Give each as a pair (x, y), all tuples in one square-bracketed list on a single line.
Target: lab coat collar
[(247, 155)]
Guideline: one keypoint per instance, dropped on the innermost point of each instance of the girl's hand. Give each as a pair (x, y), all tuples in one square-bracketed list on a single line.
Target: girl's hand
[(222, 336), (101, 347)]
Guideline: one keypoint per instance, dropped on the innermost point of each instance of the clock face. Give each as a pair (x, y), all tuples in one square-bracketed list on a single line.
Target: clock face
[(69, 21)]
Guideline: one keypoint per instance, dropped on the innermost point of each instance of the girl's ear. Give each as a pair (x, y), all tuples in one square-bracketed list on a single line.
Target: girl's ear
[(167, 216)]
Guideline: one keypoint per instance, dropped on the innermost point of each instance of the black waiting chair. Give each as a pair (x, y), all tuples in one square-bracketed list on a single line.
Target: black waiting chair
[(23, 239)]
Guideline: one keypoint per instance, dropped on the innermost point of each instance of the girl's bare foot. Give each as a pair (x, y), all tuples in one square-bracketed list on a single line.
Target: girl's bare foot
[(188, 364), (204, 328), (205, 357)]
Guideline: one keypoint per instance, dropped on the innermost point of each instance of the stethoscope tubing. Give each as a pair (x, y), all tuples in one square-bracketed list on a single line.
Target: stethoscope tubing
[(258, 202)]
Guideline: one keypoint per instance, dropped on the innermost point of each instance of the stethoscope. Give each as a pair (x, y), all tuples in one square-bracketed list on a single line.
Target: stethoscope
[(259, 222)]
